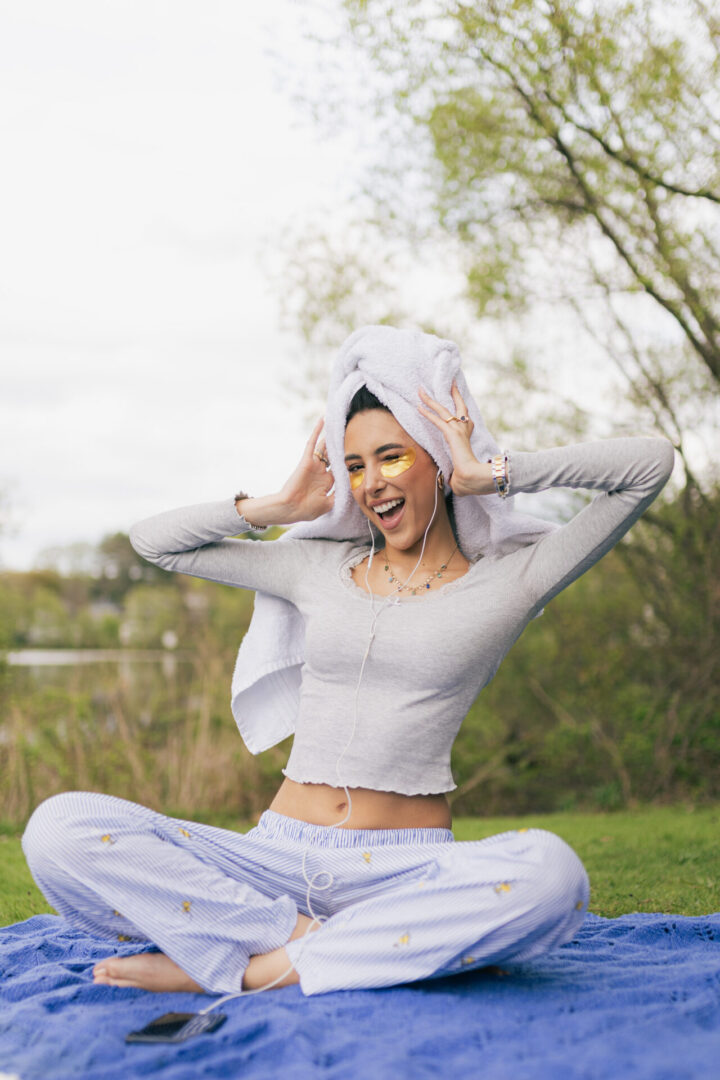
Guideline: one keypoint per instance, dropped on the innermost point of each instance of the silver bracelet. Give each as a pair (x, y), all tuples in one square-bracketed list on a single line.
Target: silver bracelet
[(255, 528)]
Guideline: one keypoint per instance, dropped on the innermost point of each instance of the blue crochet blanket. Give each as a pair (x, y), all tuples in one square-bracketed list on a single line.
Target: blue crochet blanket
[(637, 996)]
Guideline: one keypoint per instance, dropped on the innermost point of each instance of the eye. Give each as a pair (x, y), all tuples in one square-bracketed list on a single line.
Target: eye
[(396, 464), (354, 468)]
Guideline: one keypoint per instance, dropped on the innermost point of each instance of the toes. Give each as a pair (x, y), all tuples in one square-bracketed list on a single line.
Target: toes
[(110, 973), (117, 982)]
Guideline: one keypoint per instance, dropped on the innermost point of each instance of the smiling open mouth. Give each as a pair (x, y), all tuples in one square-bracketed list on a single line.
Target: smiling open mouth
[(389, 511)]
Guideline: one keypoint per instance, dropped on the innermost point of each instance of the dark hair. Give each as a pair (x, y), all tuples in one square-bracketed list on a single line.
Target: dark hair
[(362, 401)]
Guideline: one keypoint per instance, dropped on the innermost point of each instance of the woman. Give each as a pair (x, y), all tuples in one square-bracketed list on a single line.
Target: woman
[(352, 878)]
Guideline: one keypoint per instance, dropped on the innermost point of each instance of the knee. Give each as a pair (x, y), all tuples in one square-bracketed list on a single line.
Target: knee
[(560, 875), (51, 825)]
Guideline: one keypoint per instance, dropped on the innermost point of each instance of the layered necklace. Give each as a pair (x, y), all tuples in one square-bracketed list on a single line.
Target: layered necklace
[(414, 589)]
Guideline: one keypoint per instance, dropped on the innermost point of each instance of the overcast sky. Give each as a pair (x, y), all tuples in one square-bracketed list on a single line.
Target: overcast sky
[(150, 156)]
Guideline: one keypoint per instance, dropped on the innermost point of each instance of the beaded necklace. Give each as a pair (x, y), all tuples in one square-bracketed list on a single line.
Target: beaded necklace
[(414, 588)]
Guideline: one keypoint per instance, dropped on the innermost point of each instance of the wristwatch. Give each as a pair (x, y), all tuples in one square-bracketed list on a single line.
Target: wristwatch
[(499, 473)]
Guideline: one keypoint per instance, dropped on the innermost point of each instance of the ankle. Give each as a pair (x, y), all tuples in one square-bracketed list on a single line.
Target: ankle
[(303, 924)]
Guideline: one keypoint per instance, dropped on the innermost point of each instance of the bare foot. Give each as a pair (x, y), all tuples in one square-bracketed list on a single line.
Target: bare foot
[(156, 971), (146, 971)]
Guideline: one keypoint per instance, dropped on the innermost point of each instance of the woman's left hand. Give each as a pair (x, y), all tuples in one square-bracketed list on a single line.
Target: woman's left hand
[(469, 476)]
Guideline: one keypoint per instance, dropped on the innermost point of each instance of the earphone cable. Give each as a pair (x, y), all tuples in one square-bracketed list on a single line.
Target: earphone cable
[(310, 881)]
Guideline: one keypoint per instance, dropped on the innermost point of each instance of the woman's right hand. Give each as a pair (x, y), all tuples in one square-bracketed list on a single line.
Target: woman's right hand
[(305, 492), (303, 496)]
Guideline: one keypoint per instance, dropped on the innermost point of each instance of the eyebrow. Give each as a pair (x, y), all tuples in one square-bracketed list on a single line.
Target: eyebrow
[(380, 450)]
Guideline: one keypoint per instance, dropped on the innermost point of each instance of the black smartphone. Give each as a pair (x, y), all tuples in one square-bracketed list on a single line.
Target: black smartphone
[(176, 1027)]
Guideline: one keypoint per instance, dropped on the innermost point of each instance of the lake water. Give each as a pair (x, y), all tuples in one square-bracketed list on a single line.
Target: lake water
[(40, 662), (62, 657)]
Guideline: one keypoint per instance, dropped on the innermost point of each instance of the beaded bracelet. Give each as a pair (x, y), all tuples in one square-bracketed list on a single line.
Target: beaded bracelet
[(255, 528), (500, 474)]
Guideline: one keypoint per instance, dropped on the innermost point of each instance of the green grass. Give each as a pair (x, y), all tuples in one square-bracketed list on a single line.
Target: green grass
[(653, 859)]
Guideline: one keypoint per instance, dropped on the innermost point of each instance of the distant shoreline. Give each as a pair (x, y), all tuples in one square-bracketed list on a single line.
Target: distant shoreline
[(67, 657)]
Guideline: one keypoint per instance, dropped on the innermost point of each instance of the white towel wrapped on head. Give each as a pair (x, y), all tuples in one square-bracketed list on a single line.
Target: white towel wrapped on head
[(392, 364)]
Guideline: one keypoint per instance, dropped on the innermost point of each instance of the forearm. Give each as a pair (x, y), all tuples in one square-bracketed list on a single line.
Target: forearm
[(627, 473), (184, 529), (267, 510), (638, 464), (200, 540)]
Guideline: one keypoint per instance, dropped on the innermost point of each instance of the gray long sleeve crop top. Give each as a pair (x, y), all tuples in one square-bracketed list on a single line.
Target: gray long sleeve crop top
[(433, 653)]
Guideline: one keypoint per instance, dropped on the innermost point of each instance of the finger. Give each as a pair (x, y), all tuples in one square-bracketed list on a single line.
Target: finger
[(435, 404), (320, 454), (310, 444), (441, 425), (460, 406)]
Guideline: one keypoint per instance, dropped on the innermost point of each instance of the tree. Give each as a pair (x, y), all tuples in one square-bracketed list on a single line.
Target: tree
[(563, 160), (567, 158)]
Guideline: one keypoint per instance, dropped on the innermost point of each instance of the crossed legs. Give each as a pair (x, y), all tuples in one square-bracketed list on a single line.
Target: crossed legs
[(156, 971), (226, 910)]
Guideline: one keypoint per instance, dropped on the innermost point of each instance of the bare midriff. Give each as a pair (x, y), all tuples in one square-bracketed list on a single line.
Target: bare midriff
[(322, 804)]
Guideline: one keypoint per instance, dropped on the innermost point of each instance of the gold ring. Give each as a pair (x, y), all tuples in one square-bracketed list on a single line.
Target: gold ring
[(460, 419)]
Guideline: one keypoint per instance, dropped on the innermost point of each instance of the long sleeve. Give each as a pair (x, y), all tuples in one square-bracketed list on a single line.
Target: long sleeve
[(628, 472), (200, 540)]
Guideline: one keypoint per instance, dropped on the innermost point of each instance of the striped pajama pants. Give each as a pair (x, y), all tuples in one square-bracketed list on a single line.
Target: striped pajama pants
[(398, 904)]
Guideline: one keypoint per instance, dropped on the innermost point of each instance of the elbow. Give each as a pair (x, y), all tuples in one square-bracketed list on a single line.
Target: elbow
[(665, 459), (140, 545)]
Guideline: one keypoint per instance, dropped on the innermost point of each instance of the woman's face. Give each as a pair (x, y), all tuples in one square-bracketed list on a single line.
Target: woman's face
[(376, 443)]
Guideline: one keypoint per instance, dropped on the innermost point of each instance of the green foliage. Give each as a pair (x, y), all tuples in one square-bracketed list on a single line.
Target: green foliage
[(607, 700), (152, 611), (565, 159)]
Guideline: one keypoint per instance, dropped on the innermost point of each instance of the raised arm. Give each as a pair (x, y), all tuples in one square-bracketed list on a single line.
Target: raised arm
[(628, 472), (200, 540)]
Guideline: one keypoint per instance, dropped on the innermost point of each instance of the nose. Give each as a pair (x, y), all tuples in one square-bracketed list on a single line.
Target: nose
[(374, 479)]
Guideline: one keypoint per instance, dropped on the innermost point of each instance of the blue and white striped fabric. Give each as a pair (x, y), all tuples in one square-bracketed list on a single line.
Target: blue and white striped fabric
[(398, 904)]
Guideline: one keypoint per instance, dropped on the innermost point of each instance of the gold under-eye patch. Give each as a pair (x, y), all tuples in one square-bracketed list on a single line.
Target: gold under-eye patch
[(389, 469), (399, 464)]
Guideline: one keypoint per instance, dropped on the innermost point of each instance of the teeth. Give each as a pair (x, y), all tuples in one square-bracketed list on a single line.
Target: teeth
[(386, 506)]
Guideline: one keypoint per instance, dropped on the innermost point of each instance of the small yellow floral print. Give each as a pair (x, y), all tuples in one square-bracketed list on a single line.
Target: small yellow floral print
[(186, 905), (404, 940), (502, 887), (523, 830), (117, 913), (184, 832), (124, 937), (468, 960), (579, 905), (367, 856), (107, 839)]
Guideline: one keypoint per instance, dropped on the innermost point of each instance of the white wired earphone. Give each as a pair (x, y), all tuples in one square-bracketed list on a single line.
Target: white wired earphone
[(311, 881)]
